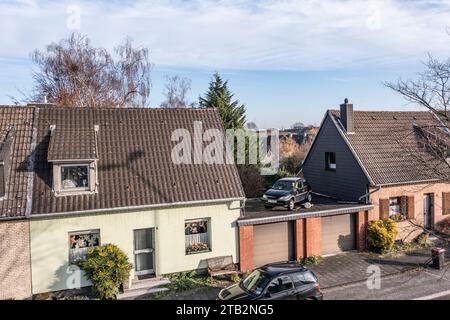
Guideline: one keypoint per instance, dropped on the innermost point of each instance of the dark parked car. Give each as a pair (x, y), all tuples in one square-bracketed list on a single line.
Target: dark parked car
[(287, 192), (277, 281)]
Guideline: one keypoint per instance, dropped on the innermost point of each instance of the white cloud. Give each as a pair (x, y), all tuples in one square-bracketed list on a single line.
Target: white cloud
[(269, 34)]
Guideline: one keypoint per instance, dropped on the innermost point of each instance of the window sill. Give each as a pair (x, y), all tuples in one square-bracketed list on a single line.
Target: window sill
[(197, 252), (74, 193), (399, 218)]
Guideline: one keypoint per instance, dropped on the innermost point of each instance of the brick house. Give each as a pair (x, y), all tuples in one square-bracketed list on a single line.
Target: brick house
[(16, 127), (379, 158)]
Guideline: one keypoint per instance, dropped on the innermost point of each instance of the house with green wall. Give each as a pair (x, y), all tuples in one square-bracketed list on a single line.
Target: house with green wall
[(99, 176)]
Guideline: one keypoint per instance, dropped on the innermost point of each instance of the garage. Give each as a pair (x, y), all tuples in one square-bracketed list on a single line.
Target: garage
[(338, 233), (273, 243)]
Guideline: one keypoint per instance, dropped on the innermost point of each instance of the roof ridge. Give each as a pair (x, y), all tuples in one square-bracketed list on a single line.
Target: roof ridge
[(384, 111)]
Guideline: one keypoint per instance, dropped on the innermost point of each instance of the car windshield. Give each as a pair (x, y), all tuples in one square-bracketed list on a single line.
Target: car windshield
[(255, 282), (283, 185)]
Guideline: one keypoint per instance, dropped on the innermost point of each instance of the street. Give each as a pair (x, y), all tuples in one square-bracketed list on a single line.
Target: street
[(426, 284)]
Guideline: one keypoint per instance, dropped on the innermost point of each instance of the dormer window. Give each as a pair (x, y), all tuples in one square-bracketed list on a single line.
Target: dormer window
[(74, 177), (73, 154)]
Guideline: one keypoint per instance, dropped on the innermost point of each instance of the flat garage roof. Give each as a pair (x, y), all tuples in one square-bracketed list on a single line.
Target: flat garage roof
[(255, 213)]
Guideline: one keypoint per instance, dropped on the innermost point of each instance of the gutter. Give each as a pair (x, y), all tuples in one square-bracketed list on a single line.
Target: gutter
[(12, 218), (150, 206), (367, 194), (407, 182), (296, 216)]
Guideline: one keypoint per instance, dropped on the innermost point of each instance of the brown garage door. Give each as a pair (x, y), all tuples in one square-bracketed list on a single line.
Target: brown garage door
[(272, 243), (338, 233)]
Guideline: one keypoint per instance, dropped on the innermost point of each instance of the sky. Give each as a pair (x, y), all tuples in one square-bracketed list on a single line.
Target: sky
[(287, 60)]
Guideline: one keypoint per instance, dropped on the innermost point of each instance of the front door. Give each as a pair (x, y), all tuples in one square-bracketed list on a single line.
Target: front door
[(427, 210), (144, 251)]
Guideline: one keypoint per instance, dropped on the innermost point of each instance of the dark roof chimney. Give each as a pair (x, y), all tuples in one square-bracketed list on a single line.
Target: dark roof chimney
[(347, 116)]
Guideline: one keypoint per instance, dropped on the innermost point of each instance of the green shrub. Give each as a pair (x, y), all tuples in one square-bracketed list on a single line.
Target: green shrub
[(424, 240), (311, 261), (381, 235), (107, 267), (182, 281), (236, 277)]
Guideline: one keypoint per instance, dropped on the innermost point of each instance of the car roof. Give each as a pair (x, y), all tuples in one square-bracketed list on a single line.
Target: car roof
[(274, 269)]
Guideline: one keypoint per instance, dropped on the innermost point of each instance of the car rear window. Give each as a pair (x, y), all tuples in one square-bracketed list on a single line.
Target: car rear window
[(303, 277)]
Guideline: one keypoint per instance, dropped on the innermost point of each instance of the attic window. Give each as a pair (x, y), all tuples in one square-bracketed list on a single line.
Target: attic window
[(330, 161), (73, 154), (75, 177)]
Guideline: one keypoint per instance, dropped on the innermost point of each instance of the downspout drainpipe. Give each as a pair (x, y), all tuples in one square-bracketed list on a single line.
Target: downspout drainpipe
[(366, 195)]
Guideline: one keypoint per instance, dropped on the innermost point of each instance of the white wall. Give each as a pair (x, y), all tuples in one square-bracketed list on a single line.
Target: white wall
[(50, 247)]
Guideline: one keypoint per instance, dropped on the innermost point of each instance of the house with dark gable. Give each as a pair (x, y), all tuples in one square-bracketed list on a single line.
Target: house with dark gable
[(380, 158)]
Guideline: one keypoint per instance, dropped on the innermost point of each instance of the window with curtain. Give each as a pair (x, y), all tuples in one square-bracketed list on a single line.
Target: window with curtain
[(80, 242), (197, 236), (398, 208), (74, 177)]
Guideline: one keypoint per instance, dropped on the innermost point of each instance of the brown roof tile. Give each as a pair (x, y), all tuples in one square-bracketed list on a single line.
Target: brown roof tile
[(134, 160), (13, 204), (72, 144)]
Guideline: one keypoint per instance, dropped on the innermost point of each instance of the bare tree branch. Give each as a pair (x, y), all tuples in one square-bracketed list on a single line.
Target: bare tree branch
[(73, 73)]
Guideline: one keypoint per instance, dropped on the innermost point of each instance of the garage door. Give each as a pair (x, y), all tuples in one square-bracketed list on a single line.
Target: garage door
[(272, 243), (338, 233)]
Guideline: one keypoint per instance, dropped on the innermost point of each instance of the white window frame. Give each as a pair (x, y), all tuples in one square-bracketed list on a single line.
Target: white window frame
[(92, 178), (82, 251)]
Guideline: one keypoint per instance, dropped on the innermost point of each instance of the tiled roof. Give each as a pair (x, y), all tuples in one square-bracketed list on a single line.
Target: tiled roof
[(134, 160), (72, 143), (389, 148), (13, 204)]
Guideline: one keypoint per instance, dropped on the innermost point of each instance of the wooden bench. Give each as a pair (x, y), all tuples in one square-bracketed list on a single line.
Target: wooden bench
[(220, 266)]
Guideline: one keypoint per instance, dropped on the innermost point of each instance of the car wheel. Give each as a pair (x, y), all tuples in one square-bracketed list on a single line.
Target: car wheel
[(291, 205), (309, 198)]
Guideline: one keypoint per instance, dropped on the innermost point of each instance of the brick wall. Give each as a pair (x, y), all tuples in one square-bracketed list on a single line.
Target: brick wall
[(407, 231), (246, 248), (299, 238), (15, 270), (361, 225), (313, 229)]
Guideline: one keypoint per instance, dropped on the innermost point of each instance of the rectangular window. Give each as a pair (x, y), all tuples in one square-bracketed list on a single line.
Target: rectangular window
[(75, 177), (197, 236), (398, 208), (80, 242), (330, 161)]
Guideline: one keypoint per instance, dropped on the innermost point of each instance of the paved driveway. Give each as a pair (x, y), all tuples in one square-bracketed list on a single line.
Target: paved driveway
[(353, 267)]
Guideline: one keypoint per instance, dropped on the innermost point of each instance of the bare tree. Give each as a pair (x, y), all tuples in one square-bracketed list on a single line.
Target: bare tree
[(176, 91), (74, 73), (428, 144), (431, 89)]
